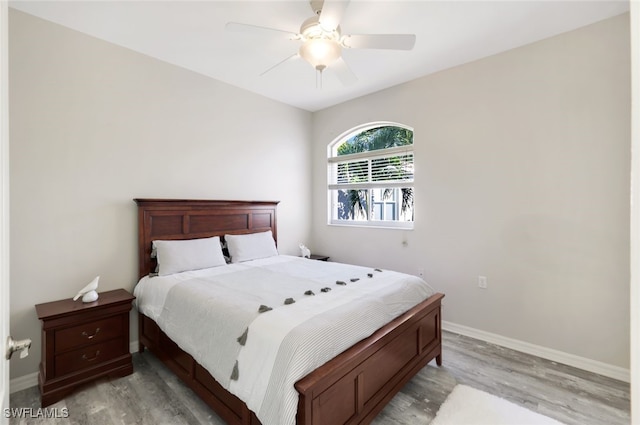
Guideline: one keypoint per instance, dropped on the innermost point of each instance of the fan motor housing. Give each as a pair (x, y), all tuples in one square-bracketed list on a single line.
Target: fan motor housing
[(311, 28)]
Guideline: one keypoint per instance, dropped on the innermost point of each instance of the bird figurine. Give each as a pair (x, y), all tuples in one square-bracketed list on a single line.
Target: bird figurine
[(88, 293), (304, 251)]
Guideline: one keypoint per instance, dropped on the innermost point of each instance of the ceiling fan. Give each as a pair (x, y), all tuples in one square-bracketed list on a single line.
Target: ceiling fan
[(323, 41)]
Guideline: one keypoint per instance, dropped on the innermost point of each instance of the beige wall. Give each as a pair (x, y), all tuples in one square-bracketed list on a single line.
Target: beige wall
[(522, 175), (93, 126), (635, 213)]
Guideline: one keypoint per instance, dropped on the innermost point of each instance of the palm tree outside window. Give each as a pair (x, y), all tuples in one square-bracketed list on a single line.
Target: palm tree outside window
[(371, 177)]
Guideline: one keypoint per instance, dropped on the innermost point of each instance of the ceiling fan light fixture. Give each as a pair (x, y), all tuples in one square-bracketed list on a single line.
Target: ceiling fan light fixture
[(320, 52), (322, 40)]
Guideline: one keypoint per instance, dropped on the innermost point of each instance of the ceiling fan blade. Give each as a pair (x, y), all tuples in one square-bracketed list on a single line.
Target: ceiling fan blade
[(331, 14), (343, 72), (258, 30), (293, 56), (380, 41)]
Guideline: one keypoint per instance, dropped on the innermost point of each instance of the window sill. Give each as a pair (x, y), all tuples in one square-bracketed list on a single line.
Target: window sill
[(369, 225)]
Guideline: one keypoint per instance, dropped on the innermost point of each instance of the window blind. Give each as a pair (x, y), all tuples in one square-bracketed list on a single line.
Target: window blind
[(385, 168)]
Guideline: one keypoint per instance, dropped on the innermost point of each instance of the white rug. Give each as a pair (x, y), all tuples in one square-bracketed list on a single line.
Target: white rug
[(468, 406)]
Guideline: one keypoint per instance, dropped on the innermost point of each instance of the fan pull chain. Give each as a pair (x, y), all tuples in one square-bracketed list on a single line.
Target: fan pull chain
[(319, 70)]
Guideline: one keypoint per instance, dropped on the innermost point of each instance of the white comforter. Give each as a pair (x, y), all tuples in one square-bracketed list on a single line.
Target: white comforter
[(207, 311)]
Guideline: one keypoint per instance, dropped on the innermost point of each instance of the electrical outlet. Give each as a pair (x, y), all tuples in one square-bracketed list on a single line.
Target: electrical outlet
[(421, 272), (482, 282)]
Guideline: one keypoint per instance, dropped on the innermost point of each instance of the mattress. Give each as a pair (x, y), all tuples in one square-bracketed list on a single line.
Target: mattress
[(259, 326)]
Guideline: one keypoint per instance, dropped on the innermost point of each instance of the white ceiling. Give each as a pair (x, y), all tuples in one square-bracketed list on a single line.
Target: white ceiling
[(191, 34)]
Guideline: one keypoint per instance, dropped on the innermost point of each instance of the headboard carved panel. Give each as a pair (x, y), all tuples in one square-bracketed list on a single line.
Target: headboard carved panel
[(179, 219)]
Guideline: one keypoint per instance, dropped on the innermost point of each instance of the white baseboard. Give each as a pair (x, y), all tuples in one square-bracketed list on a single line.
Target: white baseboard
[(23, 382), (583, 363), (31, 380)]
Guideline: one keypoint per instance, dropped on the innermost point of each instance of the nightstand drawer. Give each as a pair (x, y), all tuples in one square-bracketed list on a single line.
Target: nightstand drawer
[(87, 357), (88, 333)]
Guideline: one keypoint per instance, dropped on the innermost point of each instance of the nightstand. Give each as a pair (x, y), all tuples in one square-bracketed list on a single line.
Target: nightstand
[(319, 257), (82, 342)]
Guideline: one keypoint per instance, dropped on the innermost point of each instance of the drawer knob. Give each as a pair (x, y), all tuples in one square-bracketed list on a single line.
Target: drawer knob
[(90, 336), (89, 359)]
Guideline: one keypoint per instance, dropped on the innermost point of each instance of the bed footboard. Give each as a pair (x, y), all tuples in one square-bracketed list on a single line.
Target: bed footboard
[(355, 386), (351, 388)]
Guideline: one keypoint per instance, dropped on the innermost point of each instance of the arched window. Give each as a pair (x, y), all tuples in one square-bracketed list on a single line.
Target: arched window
[(371, 177)]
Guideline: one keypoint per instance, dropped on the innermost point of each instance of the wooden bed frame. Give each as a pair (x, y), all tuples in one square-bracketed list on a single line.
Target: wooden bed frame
[(351, 388)]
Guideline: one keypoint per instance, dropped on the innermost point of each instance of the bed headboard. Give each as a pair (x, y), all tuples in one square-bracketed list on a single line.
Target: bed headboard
[(176, 219)]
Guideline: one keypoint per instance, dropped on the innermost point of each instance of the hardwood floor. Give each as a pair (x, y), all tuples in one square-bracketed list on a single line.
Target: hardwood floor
[(153, 395)]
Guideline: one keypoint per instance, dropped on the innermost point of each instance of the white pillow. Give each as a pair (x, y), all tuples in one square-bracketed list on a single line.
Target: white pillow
[(251, 246), (193, 254)]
